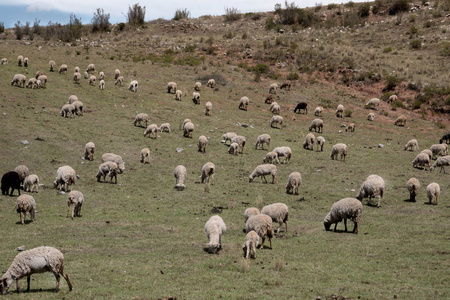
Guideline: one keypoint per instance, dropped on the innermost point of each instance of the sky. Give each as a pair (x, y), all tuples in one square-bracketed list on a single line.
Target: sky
[(60, 10)]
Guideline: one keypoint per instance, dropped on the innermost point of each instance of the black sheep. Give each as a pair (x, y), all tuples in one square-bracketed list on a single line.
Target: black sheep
[(10, 180), (301, 106), (445, 137)]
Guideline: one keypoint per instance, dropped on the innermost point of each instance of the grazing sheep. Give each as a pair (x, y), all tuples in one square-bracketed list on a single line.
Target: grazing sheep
[(77, 70), (107, 168), (317, 125), (180, 177), (172, 87), (243, 103), (275, 108), (339, 149), (188, 129), (119, 81), (445, 138), (433, 191), (4, 61), (26, 204), (23, 172), (249, 212), (52, 65), (318, 111), (401, 121), (32, 83), (38, 73), (412, 145), (133, 86), (114, 158), (196, 97), (116, 73), (214, 229), (75, 199), (278, 212), (271, 157), (320, 142), (101, 75), (301, 106), (262, 170), (427, 152), (76, 77), (202, 141), (19, 79), (392, 98), (261, 140), (92, 80), (78, 107), (152, 131), (211, 83), (294, 182), (37, 260), (178, 95), (186, 121), (208, 108), (273, 88), (234, 149), (276, 120), (141, 117), (86, 75), (63, 69), (25, 62), (90, 68), (198, 86), (229, 136), (101, 85), (309, 141), (250, 245), (370, 117), (67, 111), (43, 79), (72, 99), (350, 127), (165, 127), (340, 111), (145, 156), (262, 225), (30, 183), (89, 150), (439, 149), (422, 159), (441, 162), (412, 185), (373, 103), (10, 180), (240, 140), (269, 99), (347, 208), (65, 176), (286, 85), (285, 152), (19, 60), (373, 187), (208, 171)]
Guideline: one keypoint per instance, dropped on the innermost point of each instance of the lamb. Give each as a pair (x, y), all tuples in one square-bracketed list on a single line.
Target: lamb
[(89, 150), (243, 103), (229, 136), (211, 83), (275, 108), (152, 131), (439, 149), (401, 121), (114, 158), (4, 61), (133, 86), (26, 204), (116, 73), (145, 156), (32, 82), (294, 182), (43, 79), (240, 140), (422, 159), (78, 107), (101, 75), (172, 87), (208, 171), (178, 95), (285, 152), (262, 170), (188, 129), (250, 245), (37, 260), (412, 145), (101, 85), (76, 77), (346, 208), (165, 127), (198, 86), (316, 124), (196, 97), (25, 62), (373, 187), (373, 103), (202, 141), (90, 68), (19, 60), (370, 117), (208, 108), (249, 212), (141, 117), (271, 157), (10, 180), (67, 111), (350, 127), (180, 177), (63, 69), (309, 141), (412, 185), (23, 172), (445, 138), (30, 183), (273, 88), (234, 149), (262, 225), (276, 120), (19, 80), (441, 162), (318, 111), (214, 229), (286, 85), (392, 98), (92, 80), (76, 200), (301, 106), (339, 149), (52, 65), (340, 111), (65, 176), (433, 191), (119, 81), (320, 142), (278, 212), (107, 168), (261, 140)]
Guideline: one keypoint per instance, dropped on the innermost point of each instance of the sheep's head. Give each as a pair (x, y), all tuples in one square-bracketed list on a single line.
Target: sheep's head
[(180, 186), (250, 178), (213, 248), (327, 226), (5, 283)]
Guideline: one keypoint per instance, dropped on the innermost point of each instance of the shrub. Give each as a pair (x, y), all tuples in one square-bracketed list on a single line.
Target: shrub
[(391, 83), (257, 77), (100, 21), (413, 30), (228, 35), (398, 6), (292, 76), (270, 23), (121, 26), (262, 68), (189, 48), (288, 15), (397, 103), (428, 24), (445, 49), (136, 14), (348, 113), (36, 26), (387, 50), (2, 27), (416, 44), (412, 18), (332, 6), (364, 10), (181, 14), (232, 14), (416, 104), (18, 30)]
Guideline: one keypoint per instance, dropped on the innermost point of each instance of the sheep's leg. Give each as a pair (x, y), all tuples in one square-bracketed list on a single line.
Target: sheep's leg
[(345, 224), (58, 278), (262, 244), (68, 208), (379, 200), (73, 210), (335, 225), (270, 240), (355, 229), (286, 222)]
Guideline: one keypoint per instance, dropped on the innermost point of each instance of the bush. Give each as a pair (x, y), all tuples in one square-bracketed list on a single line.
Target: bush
[(181, 14), (446, 49), (391, 83), (364, 10), (37, 27), (398, 6), (2, 27), (262, 68), (270, 23), (413, 30), (121, 26), (348, 113), (387, 50), (288, 15), (18, 30), (232, 14), (428, 24), (397, 103), (416, 44), (100, 21), (136, 14), (292, 76), (189, 48)]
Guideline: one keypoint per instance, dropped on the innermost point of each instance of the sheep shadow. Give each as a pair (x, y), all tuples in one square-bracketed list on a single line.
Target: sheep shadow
[(409, 200), (206, 249), (40, 290), (25, 222)]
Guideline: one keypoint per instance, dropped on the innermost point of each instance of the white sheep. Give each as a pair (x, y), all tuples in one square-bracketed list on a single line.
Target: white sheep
[(76, 200), (141, 117), (76, 77), (317, 125), (19, 60), (422, 159), (250, 245), (243, 103), (72, 99), (107, 168), (133, 86), (32, 83), (340, 111), (294, 182), (279, 213), (39, 73), (320, 142), (413, 185), (441, 162), (262, 225), (371, 116), (101, 75), (439, 149), (202, 142), (180, 177), (101, 85), (67, 111), (185, 121), (285, 152), (30, 183), (178, 95), (43, 80), (228, 137), (249, 212), (19, 79), (119, 81), (240, 140), (145, 156), (234, 149), (412, 145), (65, 176), (86, 75), (309, 141), (89, 150), (77, 70), (164, 127), (433, 191), (275, 108), (4, 61), (276, 120), (350, 128), (401, 121), (262, 170), (339, 149), (214, 229), (152, 131), (211, 83), (208, 171), (373, 187), (78, 107), (198, 86), (26, 204), (261, 140), (114, 158), (318, 111), (90, 68), (63, 69), (172, 87), (273, 88), (116, 73), (427, 152), (271, 157), (392, 98), (347, 208), (26, 61), (208, 108), (196, 97), (22, 171), (92, 80), (373, 103), (188, 129), (37, 260)]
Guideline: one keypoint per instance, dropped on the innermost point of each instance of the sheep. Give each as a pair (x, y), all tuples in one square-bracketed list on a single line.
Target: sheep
[(67, 111), (65, 176), (76, 200), (23, 172), (188, 129), (211, 83), (439, 149), (208, 171), (78, 107), (72, 99), (433, 191), (275, 108), (114, 158), (229, 136), (116, 73), (10, 180), (412, 185), (202, 141), (262, 170), (340, 111), (294, 182), (392, 98), (249, 212), (141, 117), (445, 138), (317, 125), (427, 152), (76, 77), (261, 140), (309, 141), (262, 225), (346, 208), (269, 99), (145, 156), (26, 204), (276, 120), (278, 212), (119, 81), (30, 183), (412, 145), (196, 97), (286, 85), (39, 84), (178, 95), (243, 103), (401, 121), (89, 150), (320, 142), (373, 187), (19, 80), (301, 106), (180, 177), (86, 75), (92, 80), (172, 87), (43, 80), (52, 65), (37, 260), (340, 149), (101, 75), (234, 149), (240, 140), (373, 103), (185, 121), (101, 85), (318, 111), (271, 157), (214, 229), (350, 127), (133, 86), (370, 117), (164, 127), (250, 245), (208, 109), (422, 159), (38, 73), (107, 168), (4, 61), (152, 131), (62, 69), (19, 60), (285, 152), (32, 82), (198, 86), (77, 70), (90, 68), (441, 162), (273, 88)]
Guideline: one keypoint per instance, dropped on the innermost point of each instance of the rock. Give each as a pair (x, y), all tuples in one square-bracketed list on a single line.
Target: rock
[(244, 125), (24, 142), (21, 248), (380, 146), (179, 150)]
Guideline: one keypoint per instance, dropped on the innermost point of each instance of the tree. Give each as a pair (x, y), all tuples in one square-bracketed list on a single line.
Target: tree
[(100, 21), (136, 14)]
